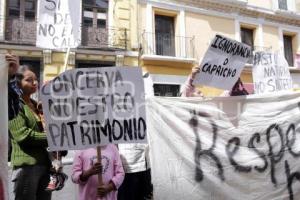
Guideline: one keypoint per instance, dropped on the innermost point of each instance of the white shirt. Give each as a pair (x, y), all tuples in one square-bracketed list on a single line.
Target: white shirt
[(135, 157)]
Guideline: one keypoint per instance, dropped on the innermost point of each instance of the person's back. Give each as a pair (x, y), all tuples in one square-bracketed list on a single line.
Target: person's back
[(137, 183)]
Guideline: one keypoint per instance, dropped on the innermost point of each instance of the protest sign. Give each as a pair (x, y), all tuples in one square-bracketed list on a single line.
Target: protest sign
[(59, 24), (94, 106), (225, 148), (3, 129), (271, 73), (223, 63)]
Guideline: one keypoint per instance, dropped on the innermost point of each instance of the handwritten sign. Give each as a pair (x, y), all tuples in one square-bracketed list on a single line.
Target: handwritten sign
[(271, 73), (94, 106), (225, 148), (223, 63), (59, 24)]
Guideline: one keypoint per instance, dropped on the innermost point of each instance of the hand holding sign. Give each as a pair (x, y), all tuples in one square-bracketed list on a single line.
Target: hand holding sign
[(104, 189)]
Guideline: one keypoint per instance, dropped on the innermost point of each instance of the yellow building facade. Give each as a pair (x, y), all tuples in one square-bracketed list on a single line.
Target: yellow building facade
[(176, 34), (164, 37), (109, 36)]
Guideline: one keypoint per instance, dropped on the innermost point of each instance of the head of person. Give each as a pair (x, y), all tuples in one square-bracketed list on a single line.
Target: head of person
[(26, 80), (238, 89)]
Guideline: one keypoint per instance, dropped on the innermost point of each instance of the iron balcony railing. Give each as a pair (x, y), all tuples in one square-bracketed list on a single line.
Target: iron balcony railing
[(20, 31), (167, 44)]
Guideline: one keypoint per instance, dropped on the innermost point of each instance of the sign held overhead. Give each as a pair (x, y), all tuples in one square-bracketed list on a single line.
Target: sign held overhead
[(223, 63)]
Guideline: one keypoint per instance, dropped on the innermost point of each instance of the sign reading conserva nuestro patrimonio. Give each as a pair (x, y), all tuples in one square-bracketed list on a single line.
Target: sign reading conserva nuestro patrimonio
[(95, 106)]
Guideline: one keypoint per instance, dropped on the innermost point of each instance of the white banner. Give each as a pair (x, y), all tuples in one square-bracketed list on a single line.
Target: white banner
[(271, 73), (91, 107), (3, 129), (223, 63), (59, 24), (226, 148)]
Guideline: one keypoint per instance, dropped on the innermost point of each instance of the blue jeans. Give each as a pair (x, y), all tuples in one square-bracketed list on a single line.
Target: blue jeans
[(30, 183)]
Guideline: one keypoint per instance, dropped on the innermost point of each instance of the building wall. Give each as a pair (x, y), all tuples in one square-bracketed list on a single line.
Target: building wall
[(267, 4), (122, 14), (204, 28), (2, 19), (271, 37), (204, 19)]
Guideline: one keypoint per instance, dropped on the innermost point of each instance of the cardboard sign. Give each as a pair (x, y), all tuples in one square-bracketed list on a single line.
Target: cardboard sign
[(223, 63), (94, 106), (59, 24), (271, 73), (225, 148)]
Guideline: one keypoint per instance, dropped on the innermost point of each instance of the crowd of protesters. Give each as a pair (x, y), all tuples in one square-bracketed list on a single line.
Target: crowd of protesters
[(125, 168)]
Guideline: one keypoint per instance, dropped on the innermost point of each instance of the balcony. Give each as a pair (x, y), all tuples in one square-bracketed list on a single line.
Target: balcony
[(168, 46), (24, 32), (104, 38)]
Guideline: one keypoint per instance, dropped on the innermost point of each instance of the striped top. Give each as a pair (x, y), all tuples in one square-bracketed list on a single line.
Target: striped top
[(29, 143)]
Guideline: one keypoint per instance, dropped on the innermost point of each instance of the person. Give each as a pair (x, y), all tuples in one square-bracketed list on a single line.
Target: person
[(57, 177), (238, 89), (135, 159), (86, 168), (137, 183), (29, 157), (189, 89), (14, 91)]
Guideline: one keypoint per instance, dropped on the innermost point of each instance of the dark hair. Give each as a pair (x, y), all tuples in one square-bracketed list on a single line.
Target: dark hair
[(238, 89), (20, 73)]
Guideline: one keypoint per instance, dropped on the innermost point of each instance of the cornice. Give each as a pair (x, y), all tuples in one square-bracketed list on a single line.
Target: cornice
[(235, 7)]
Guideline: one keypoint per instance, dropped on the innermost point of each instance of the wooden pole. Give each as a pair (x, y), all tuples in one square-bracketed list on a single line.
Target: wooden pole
[(66, 59), (100, 182)]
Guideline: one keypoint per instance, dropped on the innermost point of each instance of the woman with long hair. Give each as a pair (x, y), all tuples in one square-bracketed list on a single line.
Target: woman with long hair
[(29, 156)]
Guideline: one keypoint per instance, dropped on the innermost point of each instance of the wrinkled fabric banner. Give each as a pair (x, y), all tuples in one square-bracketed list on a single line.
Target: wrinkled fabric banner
[(225, 148), (3, 130)]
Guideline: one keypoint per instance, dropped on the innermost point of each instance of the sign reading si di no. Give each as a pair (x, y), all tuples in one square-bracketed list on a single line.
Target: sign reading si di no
[(93, 107), (58, 24)]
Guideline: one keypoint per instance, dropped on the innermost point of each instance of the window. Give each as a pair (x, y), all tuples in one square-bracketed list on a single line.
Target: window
[(247, 38), (288, 49), (88, 17), (95, 12), (164, 35), (30, 9), (101, 20), (14, 8), (282, 4), (166, 90)]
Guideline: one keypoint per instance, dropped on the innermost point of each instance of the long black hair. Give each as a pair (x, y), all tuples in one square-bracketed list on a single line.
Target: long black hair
[(238, 89), (20, 73)]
